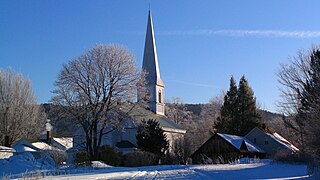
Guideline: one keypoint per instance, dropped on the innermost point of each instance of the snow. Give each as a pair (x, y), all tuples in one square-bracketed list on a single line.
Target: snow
[(42, 146), (65, 141), (246, 168), (236, 141), (285, 142), (252, 147), (24, 162), (6, 148), (23, 148)]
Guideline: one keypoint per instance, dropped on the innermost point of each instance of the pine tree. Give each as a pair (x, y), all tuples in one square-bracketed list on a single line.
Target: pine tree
[(248, 116), (309, 110), (228, 112), (239, 114), (151, 138)]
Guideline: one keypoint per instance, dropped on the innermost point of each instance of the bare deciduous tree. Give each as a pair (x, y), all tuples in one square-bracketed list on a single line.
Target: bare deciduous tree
[(177, 111), (295, 79), (91, 85), (20, 116)]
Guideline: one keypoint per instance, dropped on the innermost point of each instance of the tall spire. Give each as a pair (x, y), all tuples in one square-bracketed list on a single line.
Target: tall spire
[(151, 66), (150, 57)]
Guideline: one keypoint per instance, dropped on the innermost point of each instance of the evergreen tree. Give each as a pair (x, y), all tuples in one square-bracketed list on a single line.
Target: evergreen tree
[(309, 110), (248, 116), (151, 138), (228, 113), (239, 114)]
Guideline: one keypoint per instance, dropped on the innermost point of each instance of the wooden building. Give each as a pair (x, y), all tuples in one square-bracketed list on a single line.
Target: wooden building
[(225, 148)]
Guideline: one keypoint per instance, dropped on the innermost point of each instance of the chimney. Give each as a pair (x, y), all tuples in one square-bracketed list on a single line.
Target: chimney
[(7, 141), (49, 134)]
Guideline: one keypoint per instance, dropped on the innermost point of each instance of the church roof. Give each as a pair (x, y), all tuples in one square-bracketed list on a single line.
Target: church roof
[(138, 113), (150, 57)]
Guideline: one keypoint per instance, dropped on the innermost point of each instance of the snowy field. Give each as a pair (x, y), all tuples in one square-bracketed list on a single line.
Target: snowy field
[(25, 165), (264, 170)]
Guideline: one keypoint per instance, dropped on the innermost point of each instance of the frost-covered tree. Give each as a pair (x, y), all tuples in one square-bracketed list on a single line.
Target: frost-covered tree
[(20, 115), (90, 86), (300, 101)]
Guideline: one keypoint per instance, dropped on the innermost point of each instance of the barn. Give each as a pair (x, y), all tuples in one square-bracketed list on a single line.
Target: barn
[(225, 148)]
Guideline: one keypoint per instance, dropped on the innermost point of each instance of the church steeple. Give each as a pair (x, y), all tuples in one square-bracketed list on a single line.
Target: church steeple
[(151, 66)]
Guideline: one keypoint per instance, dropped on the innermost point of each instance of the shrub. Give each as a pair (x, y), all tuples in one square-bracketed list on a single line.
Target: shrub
[(81, 158), (169, 159), (110, 156), (297, 157), (58, 156), (140, 158)]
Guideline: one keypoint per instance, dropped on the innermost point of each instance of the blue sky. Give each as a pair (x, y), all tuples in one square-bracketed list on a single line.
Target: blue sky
[(200, 43)]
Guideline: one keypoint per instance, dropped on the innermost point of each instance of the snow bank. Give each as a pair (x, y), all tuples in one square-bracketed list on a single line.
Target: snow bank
[(24, 163), (99, 164)]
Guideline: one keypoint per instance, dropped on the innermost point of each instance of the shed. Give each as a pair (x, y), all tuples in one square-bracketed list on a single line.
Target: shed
[(225, 148)]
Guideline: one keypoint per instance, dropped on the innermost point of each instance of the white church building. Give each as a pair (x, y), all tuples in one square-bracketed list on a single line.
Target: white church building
[(124, 138)]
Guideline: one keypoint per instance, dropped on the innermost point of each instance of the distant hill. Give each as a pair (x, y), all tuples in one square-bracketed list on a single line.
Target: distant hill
[(66, 126)]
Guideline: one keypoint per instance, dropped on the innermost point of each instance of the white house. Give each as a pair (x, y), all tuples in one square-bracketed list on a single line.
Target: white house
[(270, 141)]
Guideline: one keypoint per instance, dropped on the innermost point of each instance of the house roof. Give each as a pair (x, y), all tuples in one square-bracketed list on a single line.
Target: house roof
[(6, 149), (277, 137), (125, 144), (237, 141), (43, 146)]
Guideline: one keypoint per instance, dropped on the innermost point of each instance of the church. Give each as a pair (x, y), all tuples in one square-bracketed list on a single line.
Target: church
[(124, 139)]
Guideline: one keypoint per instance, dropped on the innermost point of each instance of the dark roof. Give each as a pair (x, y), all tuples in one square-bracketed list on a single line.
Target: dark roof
[(125, 144), (138, 113)]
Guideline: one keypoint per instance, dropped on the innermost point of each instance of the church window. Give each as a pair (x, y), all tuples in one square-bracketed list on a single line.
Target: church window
[(160, 96)]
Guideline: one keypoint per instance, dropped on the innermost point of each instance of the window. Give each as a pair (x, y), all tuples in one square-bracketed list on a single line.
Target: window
[(266, 141), (255, 140), (160, 96)]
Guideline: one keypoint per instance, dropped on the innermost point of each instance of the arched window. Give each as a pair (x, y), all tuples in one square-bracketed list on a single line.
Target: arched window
[(159, 96)]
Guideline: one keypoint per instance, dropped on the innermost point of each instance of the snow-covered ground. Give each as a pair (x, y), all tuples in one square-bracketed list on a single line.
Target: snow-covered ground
[(257, 170), (244, 169)]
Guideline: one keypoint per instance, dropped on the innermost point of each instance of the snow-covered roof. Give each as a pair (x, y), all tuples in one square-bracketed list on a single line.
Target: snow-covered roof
[(277, 137), (67, 142), (252, 147), (24, 148), (4, 148), (43, 146), (283, 141), (237, 141)]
